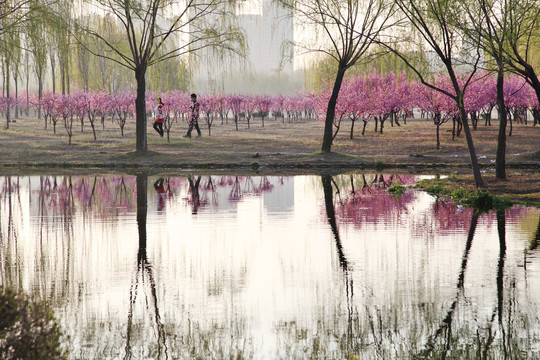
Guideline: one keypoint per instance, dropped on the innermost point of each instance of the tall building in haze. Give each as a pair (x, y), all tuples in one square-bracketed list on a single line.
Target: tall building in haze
[(268, 28)]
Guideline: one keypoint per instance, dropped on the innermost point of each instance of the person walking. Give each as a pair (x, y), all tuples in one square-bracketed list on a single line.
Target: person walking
[(159, 114), (194, 121)]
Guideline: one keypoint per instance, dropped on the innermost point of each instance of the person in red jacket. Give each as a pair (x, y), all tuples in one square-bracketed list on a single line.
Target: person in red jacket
[(159, 114)]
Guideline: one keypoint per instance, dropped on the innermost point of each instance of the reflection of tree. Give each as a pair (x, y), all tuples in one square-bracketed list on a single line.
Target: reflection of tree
[(536, 238), (364, 199), (12, 233), (209, 186), (194, 196), (331, 216), (236, 193), (501, 223), (144, 273), (446, 326), (352, 313)]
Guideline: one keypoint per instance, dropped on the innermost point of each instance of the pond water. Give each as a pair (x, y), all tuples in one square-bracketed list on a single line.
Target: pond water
[(142, 267)]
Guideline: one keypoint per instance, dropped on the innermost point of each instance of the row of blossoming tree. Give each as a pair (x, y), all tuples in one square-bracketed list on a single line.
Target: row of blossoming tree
[(370, 97), (380, 97)]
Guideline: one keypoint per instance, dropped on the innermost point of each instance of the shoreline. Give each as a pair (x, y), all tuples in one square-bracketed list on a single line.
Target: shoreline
[(278, 148)]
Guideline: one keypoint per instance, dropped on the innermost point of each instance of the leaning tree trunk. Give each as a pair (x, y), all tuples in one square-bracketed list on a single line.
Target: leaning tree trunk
[(140, 110), (331, 111), (472, 152)]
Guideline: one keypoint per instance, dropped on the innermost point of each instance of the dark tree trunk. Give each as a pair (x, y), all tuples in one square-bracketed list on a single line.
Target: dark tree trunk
[(331, 111), (364, 128), (438, 137), (474, 120), (140, 110), (500, 160)]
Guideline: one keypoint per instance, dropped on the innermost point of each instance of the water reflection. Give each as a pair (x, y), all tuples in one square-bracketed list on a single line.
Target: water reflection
[(271, 267)]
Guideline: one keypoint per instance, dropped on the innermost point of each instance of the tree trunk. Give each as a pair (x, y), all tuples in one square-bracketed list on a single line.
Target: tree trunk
[(438, 137), (331, 111), (472, 152), (53, 74), (500, 160), (27, 94), (40, 96), (8, 108), (63, 77), (16, 95), (140, 110)]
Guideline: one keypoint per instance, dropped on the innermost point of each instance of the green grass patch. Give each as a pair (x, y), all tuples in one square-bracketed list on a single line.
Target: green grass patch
[(397, 190), (203, 165), (255, 165), (481, 201), (380, 165)]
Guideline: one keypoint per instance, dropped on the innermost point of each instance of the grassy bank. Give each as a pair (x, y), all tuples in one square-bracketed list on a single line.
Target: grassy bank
[(279, 147)]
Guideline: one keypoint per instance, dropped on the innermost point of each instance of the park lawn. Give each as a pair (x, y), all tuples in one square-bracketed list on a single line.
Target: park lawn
[(278, 145)]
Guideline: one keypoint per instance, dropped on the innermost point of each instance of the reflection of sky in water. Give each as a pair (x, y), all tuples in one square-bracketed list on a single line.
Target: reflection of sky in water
[(254, 270)]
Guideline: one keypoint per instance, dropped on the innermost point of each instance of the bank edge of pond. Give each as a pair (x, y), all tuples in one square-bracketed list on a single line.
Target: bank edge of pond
[(462, 191), (297, 164)]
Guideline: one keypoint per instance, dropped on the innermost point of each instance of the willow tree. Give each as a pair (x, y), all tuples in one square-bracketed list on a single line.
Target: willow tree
[(158, 30), (36, 35), (435, 25), (344, 30), (523, 34), (13, 14)]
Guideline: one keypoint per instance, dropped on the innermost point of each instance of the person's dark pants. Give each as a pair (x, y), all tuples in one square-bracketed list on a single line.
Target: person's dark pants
[(158, 126), (196, 126)]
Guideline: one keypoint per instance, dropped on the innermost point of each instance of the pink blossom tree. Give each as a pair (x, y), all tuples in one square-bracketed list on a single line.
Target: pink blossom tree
[(235, 104)]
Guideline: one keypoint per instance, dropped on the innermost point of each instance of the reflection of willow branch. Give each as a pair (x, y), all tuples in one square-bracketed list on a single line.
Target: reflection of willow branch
[(447, 321), (11, 233), (43, 185), (144, 267)]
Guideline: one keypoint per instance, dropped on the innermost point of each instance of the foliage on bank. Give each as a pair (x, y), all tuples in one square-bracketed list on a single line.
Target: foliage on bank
[(481, 201), (28, 329)]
